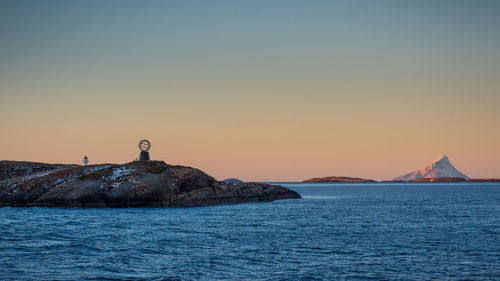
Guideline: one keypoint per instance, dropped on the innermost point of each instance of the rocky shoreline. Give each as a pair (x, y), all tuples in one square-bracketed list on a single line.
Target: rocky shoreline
[(135, 184)]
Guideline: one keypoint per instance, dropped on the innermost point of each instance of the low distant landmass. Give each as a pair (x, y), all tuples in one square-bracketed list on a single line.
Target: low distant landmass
[(338, 179), (443, 179), (135, 184), (447, 179), (483, 180)]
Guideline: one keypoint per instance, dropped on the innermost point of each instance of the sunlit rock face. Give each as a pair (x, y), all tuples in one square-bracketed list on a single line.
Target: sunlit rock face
[(439, 168), (135, 184)]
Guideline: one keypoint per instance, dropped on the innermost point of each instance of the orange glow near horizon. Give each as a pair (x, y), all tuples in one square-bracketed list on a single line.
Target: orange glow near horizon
[(273, 142)]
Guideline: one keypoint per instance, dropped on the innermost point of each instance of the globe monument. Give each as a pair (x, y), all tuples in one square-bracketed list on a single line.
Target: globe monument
[(144, 146)]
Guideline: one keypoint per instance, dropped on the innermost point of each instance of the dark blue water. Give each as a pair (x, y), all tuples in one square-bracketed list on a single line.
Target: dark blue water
[(338, 231)]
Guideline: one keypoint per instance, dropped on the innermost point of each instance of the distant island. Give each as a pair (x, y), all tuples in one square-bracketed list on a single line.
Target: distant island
[(134, 184), (338, 179), (439, 170), (360, 180)]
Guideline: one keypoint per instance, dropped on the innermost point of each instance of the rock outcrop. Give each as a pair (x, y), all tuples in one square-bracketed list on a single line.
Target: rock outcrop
[(232, 181), (135, 184), (12, 169), (338, 179)]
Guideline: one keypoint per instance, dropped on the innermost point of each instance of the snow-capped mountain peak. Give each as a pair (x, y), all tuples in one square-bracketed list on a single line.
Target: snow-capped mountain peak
[(438, 168)]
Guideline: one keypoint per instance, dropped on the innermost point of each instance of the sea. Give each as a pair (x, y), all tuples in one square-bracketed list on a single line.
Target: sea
[(360, 231)]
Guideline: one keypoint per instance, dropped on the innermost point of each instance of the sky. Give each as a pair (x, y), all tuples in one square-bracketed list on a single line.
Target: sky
[(258, 90)]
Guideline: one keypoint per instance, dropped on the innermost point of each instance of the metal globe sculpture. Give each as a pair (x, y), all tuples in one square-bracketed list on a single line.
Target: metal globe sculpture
[(144, 146)]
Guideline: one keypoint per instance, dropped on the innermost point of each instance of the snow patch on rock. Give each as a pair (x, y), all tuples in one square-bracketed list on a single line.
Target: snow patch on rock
[(37, 175), (120, 172), (94, 169)]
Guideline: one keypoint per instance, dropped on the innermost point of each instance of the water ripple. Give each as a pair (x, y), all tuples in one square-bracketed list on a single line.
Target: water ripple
[(341, 232)]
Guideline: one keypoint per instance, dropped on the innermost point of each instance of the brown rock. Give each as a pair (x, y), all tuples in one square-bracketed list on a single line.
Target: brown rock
[(338, 179)]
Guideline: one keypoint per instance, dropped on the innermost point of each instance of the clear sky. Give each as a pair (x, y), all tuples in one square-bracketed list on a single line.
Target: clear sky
[(259, 90)]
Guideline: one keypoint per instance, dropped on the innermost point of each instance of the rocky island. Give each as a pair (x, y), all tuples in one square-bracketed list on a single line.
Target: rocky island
[(135, 184)]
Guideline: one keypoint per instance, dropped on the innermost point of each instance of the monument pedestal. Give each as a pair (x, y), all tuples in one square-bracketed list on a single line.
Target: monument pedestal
[(144, 156)]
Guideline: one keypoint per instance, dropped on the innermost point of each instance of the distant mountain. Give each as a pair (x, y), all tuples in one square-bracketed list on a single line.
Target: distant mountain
[(439, 168), (338, 179)]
